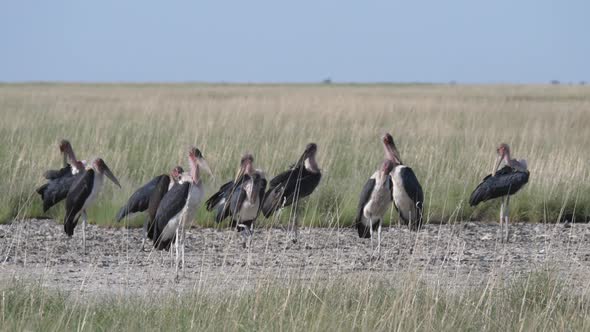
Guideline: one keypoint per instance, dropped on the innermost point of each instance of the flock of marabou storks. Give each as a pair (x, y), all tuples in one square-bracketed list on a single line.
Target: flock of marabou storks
[(171, 200)]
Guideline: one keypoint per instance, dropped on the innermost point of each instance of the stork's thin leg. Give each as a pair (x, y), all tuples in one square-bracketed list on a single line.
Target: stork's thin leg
[(176, 244), (502, 221), (182, 245), (379, 239), (243, 232), (84, 220), (145, 231), (295, 225), (371, 233), (251, 234), (507, 217)]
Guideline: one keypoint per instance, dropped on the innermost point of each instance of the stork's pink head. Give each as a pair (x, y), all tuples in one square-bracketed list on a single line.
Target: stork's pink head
[(197, 161), (246, 164), (388, 140), (176, 173), (503, 150), (64, 146)]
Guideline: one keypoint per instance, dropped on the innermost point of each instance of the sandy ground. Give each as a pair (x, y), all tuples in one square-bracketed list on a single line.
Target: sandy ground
[(458, 257)]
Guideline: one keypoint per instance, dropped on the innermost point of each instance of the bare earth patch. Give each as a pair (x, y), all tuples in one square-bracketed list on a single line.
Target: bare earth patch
[(458, 257)]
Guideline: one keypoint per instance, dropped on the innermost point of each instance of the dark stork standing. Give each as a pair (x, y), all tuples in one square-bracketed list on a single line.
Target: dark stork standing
[(408, 197), (83, 193), (140, 200), (240, 199), (374, 201), (502, 183), (288, 187), (178, 207), (60, 181)]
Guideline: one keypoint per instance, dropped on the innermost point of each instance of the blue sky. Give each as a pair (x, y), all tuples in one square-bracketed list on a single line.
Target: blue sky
[(295, 41)]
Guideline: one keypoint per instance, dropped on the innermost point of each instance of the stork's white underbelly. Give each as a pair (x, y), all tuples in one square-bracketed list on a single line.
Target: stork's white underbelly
[(379, 202), (249, 210), (405, 205), (187, 214)]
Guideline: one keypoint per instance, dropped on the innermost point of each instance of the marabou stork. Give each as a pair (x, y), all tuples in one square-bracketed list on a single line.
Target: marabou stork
[(288, 187), (374, 201), (240, 199), (83, 193), (408, 197), (60, 181), (178, 207), (151, 192), (502, 183)]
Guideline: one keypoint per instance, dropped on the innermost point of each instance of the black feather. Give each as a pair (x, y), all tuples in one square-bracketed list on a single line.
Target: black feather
[(156, 197), (172, 203), (288, 187), (139, 200), (75, 200), (507, 181)]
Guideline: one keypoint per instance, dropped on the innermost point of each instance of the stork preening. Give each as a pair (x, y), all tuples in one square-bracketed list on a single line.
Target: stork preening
[(290, 186), (374, 202), (83, 193), (502, 183), (177, 208), (240, 199), (151, 192), (60, 181), (408, 197)]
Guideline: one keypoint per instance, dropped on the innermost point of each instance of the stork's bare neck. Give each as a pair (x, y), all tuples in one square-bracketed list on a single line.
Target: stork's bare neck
[(194, 170), (392, 154), (503, 153), (311, 164)]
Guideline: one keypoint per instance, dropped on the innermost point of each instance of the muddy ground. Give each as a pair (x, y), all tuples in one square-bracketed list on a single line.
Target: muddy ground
[(458, 257)]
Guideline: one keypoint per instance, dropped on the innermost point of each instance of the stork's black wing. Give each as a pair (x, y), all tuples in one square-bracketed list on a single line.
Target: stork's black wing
[(261, 183), (56, 189), (411, 186), (363, 200), (54, 174), (220, 196), (75, 200), (139, 200), (154, 201), (287, 187), (172, 203), (507, 181)]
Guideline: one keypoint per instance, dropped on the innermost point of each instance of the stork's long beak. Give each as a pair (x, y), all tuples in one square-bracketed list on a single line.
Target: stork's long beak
[(204, 165), (255, 188), (111, 176), (497, 164), (65, 158)]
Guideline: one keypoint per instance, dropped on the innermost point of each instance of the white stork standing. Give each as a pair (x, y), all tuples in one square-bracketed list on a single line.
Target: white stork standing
[(502, 183), (83, 193), (408, 197), (374, 201), (177, 208), (240, 199), (60, 181)]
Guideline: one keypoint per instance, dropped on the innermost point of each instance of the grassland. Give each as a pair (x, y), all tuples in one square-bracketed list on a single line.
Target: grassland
[(447, 134), (538, 301)]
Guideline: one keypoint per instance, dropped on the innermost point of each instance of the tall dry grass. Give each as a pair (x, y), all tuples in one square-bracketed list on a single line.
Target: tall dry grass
[(537, 301), (447, 134)]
